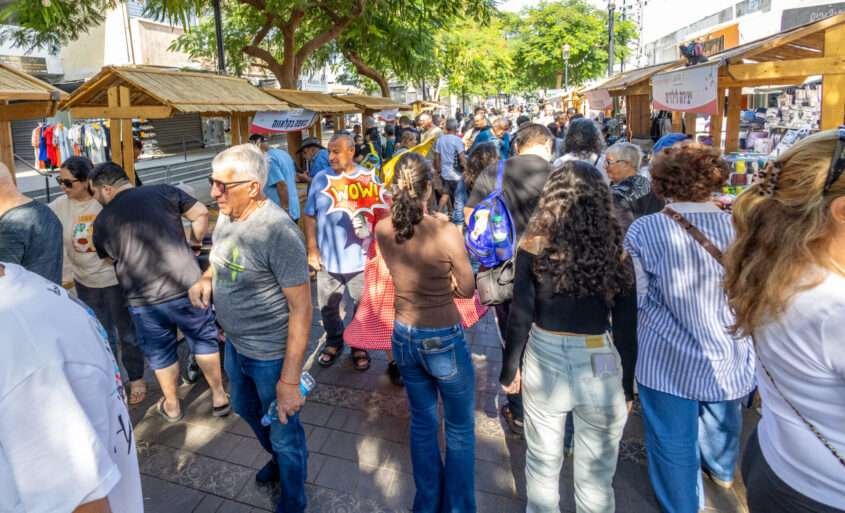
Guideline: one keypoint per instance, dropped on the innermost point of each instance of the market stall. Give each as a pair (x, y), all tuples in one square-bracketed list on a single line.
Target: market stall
[(385, 109), (429, 106), (122, 94), (33, 99), (785, 58)]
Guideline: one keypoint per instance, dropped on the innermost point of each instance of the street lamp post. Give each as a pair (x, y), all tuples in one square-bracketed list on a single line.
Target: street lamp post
[(611, 6), (566, 66), (218, 32)]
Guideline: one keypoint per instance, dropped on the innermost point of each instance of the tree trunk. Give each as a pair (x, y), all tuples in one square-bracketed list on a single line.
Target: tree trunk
[(559, 79), (436, 94), (367, 71)]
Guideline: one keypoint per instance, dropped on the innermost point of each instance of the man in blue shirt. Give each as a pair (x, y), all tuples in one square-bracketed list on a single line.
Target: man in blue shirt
[(498, 134), (335, 250), (316, 160), (281, 177)]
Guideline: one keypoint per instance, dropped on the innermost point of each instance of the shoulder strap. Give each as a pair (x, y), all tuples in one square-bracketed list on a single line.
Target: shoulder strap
[(798, 413), (596, 163), (500, 171), (694, 232)]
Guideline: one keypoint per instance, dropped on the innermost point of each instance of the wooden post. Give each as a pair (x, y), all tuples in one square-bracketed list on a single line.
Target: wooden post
[(678, 122), (638, 114), (244, 125), (716, 119), (235, 130), (294, 143), (733, 114), (126, 135), (319, 129), (7, 151), (114, 129), (833, 86), (689, 119)]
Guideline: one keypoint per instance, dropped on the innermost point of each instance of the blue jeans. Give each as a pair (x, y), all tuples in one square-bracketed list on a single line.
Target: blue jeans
[(252, 389), (449, 371), (682, 436)]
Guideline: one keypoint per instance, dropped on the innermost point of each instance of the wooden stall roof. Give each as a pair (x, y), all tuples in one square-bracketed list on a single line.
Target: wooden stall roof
[(373, 102), (17, 85), (180, 91), (312, 100), (631, 77), (429, 104)]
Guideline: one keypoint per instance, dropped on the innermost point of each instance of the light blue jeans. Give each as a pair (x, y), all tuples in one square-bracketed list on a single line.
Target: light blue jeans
[(558, 378)]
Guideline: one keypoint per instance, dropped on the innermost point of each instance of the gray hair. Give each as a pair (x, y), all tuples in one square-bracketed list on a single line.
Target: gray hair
[(246, 161), (502, 123), (350, 141), (451, 124), (626, 151), (369, 120)]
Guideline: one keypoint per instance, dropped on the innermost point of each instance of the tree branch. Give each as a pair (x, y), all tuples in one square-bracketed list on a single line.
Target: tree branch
[(356, 60), (329, 34)]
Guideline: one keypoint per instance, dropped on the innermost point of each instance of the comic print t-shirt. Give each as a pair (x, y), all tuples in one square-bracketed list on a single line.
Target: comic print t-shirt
[(77, 219), (65, 434)]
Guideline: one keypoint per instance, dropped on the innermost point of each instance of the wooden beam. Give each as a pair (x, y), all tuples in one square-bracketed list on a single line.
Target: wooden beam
[(126, 136), (716, 119), (833, 86), (244, 125), (234, 129), (678, 122), (294, 143), (30, 110), (632, 91), (834, 64), (788, 37), (734, 111), (727, 82), (7, 153), (319, 129), (689, 119), (152, 111), (114, 128), (25, 95)]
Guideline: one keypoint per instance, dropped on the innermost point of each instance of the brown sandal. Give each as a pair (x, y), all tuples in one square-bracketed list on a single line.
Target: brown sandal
[(137, 394)]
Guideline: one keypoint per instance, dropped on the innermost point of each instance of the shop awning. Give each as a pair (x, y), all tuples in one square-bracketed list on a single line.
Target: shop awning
[(429, 104), (619, 84), (157, 93), (373, 103), (39, 99), (312, 100)]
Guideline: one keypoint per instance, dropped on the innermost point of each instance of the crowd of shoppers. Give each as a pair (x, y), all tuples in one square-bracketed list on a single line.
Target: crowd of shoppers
[(620, 290)]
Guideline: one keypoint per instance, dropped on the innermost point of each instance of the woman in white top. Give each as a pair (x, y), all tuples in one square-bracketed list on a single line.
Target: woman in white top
[(583, 141), (95, 280), (786, 282)]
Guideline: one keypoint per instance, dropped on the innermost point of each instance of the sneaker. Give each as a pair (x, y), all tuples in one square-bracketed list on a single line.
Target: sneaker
[(269, 474), (192, 370), (716, 481), (394, 374)]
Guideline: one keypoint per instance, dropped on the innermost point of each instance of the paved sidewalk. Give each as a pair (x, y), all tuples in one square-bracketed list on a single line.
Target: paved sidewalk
[(359, 458)]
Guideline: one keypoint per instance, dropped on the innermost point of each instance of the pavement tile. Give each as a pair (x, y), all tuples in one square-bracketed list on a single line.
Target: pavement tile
[(494, 479), (489, 448), (315, 464), (325, 500), (261, 496), (234, 507), (341, 445), (315, 413), (227, 479), (374, 482), (338, 474), (209, 504), (400, 459), (245, 452), (162, 496), (372, 451), (488, 402), (516, 506), (240, 427), (515, 452), (337, 418), (401, 492), (489, 503), (493, 354), (317, 438)]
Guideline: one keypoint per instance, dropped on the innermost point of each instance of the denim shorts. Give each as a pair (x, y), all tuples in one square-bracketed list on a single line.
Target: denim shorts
[(156, 326)]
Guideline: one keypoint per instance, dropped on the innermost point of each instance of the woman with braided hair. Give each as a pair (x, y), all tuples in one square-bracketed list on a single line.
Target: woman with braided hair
[(785, 281), (429, 266)]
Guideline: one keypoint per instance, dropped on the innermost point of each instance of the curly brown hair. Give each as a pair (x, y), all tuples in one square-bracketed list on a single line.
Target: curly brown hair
[(575, 220), (688, 172)]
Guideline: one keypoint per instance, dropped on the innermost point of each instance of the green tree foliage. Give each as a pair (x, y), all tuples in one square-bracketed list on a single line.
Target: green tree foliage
[(476, 59), (51, 23), (538, 34)]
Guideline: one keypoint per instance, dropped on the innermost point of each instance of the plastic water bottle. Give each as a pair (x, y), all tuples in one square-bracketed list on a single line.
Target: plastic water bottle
[(500, 238), (306, 383)]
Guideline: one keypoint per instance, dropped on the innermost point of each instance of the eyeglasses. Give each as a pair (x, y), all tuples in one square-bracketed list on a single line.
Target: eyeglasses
[(609, 162), (223, 186), (67, 183), (837, 163)]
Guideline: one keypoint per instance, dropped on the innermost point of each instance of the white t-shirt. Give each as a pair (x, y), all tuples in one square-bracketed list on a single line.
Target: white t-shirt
[(592, 159), (448, 146), (65, 435), (77, 219), (805, 353)]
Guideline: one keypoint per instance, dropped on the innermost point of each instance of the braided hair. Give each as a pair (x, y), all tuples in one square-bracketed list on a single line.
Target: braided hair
[(413, 175)]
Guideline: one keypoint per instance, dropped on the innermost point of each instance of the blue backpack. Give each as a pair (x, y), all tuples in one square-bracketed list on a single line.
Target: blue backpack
[(479, 236)]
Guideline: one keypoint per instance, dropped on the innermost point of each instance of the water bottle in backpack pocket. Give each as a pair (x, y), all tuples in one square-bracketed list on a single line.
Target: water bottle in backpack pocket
[(491, 234)]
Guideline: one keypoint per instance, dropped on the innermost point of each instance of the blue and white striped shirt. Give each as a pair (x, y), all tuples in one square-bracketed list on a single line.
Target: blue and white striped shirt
[(684, 347)]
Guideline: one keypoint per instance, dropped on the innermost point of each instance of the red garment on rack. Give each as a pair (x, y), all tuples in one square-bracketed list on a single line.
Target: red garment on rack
[(52, 154)]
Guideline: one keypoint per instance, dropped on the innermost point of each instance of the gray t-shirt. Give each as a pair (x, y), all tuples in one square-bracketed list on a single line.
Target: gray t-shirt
[(252, 261), (31, 236)]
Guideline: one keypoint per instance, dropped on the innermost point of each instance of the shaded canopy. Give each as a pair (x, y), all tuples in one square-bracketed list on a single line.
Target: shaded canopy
[(373, 102), (312, 100)]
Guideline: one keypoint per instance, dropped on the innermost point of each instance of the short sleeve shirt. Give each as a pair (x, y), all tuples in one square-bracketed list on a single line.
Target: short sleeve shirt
[(77, 218), (252, 261), (280, 167), (339, 246), (141, 230), (64, 421), (448, 147), (31, 235)]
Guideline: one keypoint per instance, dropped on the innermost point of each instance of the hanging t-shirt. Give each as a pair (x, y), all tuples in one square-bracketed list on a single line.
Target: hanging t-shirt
[(65, 434), (77, 219)]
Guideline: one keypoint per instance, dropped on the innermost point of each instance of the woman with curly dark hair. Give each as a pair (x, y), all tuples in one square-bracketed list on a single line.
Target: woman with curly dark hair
[(691, 372), (571, 276), (428, 263), (583, 141)]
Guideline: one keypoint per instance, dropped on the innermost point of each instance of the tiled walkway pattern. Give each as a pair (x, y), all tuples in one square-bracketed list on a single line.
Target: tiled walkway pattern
[(359, 458)]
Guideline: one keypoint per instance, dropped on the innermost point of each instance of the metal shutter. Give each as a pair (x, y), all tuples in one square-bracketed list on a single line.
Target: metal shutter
[(169, 132), (22, 138)]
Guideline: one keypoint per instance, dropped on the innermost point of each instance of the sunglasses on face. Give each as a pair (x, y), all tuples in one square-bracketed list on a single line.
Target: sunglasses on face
[(223, 186), (67, 183), (837, 164)]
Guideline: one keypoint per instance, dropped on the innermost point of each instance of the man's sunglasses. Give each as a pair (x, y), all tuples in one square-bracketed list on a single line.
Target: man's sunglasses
[(223, 186), (837, 164), (67, 183)]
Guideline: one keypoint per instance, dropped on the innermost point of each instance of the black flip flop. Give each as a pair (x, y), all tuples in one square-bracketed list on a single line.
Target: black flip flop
[(332, 356), (506, 413), (159, 409), (362, 355)]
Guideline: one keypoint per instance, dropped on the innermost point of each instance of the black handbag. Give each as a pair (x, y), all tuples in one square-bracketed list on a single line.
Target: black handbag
[(495, 285)]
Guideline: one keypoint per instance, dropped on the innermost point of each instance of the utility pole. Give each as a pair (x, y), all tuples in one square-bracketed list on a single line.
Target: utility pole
[(611, 7), (218, 30)]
